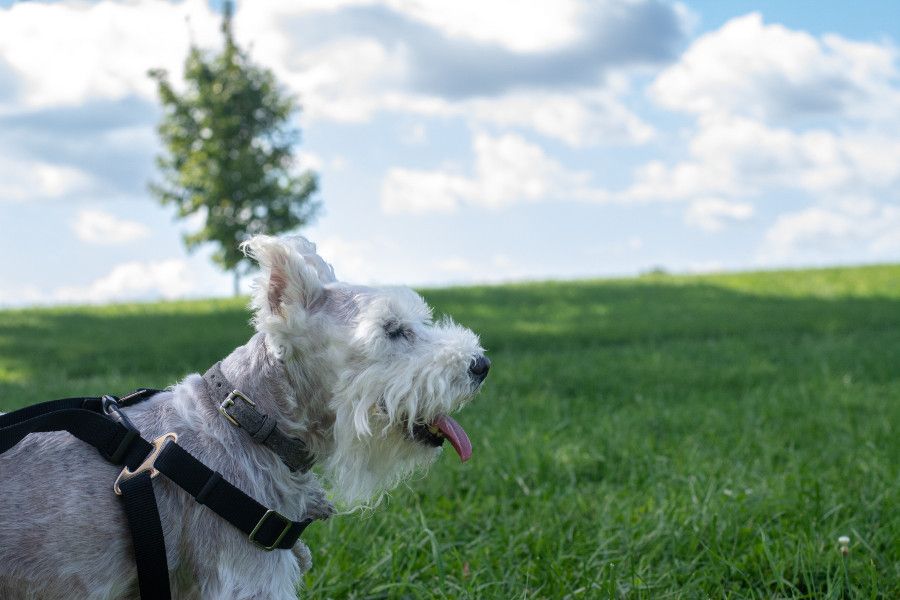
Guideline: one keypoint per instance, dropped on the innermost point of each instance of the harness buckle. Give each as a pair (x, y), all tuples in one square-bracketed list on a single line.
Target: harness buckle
[(148, 464), (228, 402), (277, 515)]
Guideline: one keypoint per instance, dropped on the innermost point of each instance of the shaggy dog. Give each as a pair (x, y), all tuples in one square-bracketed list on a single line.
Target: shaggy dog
[(362, 375)]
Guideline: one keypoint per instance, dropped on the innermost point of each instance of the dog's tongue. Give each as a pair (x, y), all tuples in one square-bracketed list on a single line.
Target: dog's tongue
[(457, 436)]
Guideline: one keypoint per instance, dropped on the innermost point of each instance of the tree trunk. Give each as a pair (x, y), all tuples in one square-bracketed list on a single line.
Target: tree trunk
[(237, 283)]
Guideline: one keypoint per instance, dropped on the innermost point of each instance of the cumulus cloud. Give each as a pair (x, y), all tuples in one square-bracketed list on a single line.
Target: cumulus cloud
[(165, 279), (150, 280), (9, 82), (352, 259), (22, 180), (76, 103), (767, 71), (347, 60), (578, 119), (854, 230), (536, 26), (112, 152), (736, 159), (490, 63), (101, 228), (712, 214), (731, 160), (460, 51), (486, 269), (68, 53), (508, 170), (779, 110)]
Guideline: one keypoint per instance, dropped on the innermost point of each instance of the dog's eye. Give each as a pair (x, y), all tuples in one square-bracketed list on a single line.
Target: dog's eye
[(395, 331)]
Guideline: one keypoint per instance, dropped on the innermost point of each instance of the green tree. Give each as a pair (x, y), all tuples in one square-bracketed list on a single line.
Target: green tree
[(228, 152)]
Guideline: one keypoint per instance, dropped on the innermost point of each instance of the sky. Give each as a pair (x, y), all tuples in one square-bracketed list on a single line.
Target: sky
[(467, 141)]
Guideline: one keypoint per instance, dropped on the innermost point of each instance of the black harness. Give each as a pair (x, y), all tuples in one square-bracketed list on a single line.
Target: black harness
[(100, 423)]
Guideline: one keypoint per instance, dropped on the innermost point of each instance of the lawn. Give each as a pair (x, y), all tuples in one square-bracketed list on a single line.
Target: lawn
[(658, 437)]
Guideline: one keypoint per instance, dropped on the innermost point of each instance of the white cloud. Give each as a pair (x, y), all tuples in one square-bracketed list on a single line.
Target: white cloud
[(101, 228), (734, 156), (416, 135), (711, 214), (781, 111), (353, 260), (68, 53), (471, 60), (151, 280), (166, 279), (22, 180), (772, 72), (348, 66), (578, 119), (345, 80), (380, 260), (855, 230), (454, 264), (352, 80), (508, 170), (408, 190), (494, 269), (518, 26)]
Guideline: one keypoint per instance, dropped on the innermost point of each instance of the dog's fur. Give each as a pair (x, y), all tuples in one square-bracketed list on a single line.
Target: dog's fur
[(347, 368)]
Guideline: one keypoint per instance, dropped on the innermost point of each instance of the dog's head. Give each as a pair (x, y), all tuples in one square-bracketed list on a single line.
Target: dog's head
[(389, 375)]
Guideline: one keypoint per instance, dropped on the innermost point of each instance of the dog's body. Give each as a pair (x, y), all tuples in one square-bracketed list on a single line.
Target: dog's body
[(355, 372)]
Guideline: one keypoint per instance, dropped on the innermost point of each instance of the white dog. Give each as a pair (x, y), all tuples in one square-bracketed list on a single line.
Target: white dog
[(362, 376)]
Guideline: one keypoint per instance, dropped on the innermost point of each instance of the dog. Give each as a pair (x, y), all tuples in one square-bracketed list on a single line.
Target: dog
[(362, 375)]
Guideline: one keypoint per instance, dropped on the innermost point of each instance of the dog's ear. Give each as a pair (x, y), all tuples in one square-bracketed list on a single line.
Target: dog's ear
[(307, 250), (292, 273)]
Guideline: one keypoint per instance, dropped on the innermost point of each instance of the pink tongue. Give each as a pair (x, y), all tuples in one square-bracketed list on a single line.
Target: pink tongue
[(457, 436)]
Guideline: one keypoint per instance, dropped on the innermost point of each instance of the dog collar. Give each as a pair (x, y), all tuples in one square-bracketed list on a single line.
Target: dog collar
[(242, 413)]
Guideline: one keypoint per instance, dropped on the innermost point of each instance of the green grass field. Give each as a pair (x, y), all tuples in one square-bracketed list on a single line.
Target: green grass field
[(659, 437)]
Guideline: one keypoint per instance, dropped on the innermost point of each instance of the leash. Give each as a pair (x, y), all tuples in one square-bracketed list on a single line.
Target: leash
[(101, 423)]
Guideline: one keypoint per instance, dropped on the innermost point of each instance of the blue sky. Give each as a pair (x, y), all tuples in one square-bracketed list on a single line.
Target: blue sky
[(468, 141)]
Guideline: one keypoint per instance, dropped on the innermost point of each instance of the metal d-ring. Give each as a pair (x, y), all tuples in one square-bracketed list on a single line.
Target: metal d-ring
[(148, 464)]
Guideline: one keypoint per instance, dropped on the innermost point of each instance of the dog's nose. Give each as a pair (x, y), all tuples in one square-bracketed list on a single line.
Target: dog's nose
[(479, 367)]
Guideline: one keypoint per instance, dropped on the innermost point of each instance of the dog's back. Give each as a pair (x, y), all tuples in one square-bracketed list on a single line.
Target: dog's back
[(63, 532)]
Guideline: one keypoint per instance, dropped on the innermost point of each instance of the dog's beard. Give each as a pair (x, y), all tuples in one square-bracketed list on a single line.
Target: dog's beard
[(376, 447), (362, 467)]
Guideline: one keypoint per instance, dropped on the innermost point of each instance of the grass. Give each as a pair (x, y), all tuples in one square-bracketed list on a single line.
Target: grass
[(660, 437)]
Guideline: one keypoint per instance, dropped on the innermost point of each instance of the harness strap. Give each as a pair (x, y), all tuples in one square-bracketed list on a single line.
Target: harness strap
[(116, 443), (120, 443), (264, 527), (147, 538)]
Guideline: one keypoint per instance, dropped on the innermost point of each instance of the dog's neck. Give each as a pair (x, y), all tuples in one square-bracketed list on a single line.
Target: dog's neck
[(285, 393)]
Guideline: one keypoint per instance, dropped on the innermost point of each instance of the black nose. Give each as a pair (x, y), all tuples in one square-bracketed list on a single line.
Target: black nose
[(479, 367)]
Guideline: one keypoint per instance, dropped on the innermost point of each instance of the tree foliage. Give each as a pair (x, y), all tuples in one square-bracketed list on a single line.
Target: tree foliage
[(228, 152)]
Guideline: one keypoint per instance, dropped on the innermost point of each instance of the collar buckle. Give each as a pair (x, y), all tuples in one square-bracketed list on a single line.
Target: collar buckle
[(228, 402)]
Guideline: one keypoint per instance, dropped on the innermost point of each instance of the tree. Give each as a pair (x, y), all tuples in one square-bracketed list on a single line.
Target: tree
[(228, 152)]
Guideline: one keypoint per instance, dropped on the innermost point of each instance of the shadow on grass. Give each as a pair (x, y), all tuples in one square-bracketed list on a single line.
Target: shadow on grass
[(64, 351), (550, 322), (576, 315)]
